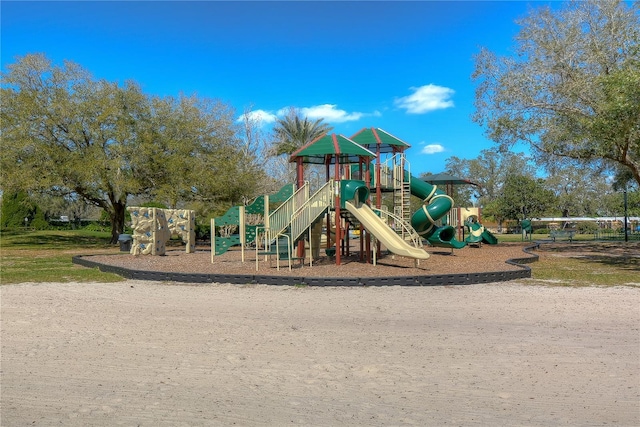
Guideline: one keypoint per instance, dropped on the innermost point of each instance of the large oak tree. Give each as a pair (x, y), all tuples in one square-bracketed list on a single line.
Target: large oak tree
[(65, 133), (572, 87)]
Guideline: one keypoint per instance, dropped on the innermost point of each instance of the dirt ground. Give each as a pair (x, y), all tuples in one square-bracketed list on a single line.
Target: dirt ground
[(441, 261), (139, 353), (158, 354)]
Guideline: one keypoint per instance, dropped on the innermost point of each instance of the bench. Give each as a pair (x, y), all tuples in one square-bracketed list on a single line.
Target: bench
[(562, 235)]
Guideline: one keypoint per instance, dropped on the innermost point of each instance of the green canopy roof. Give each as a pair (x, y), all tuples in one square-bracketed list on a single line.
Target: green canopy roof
[(445, 178), (376, 139), (326, 148)]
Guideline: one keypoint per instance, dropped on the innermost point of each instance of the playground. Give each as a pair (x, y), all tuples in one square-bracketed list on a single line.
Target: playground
[(366, 192), (177, 265)]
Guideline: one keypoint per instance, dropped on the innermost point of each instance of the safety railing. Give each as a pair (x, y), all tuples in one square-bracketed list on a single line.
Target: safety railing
[(280, 218), (400, 226), (309, 212)]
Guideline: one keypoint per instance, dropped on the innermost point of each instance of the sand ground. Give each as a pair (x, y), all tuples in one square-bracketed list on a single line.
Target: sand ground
[(140, 353)]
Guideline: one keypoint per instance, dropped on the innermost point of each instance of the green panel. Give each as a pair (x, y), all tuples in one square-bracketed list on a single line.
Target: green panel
[(231, 217), (250, 233), (222, 244), (256, 207), (283, 194)]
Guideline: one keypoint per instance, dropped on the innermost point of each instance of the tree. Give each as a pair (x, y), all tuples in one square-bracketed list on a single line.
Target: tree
[(257, 149), (293, 131), (489, 170), (18, 210), (579, 191), (521, 197), (65, 133), (193, 152), (572, 89)]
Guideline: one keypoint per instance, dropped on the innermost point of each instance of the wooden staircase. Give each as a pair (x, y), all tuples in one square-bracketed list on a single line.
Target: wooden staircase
[(287, 224)]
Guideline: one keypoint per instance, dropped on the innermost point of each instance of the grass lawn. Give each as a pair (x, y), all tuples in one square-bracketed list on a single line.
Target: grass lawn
[(45, 256)]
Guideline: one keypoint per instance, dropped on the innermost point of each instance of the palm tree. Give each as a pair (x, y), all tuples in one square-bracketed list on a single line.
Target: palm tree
[(292, 132)]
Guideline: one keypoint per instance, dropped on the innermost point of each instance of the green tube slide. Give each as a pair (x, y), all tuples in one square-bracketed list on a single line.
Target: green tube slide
[(479, 234), (436, 205)]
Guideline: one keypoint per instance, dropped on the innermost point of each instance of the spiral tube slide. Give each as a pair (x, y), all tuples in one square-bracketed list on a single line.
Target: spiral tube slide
[(436, 204), (479, 234)]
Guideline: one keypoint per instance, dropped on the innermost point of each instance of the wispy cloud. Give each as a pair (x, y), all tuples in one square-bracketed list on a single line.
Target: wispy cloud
[(426, 98), (432, 149), (259, 116), (329, 112)]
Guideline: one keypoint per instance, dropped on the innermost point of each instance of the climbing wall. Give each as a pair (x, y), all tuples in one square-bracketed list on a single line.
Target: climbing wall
[(153, 227), (182, 222)]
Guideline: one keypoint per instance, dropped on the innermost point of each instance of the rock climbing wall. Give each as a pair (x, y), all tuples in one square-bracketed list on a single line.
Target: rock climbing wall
[(153, 227), (182, 222)]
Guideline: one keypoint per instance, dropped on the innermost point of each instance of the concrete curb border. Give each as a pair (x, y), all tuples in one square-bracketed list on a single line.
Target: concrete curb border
[(242, 279)]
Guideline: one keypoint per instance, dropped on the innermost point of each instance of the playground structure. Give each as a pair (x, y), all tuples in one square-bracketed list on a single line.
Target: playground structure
[(358, 172), (153, 227), (296, 222), (478, 234), (238, 226)]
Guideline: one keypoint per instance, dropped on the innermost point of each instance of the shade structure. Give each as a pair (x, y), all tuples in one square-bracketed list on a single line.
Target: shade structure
[(330, 148), (379, 141), (445, 178)]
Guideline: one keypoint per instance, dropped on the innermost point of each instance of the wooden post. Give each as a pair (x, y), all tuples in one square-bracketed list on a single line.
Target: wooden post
[(337, 207), (213, 239)]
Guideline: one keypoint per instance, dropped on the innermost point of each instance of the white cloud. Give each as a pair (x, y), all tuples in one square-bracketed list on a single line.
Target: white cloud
[(260, 116), (432, 149), (330, 113), (426, 98)]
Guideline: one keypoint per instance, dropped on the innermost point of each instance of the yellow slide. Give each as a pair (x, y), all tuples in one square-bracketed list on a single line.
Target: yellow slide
[(384, 233)]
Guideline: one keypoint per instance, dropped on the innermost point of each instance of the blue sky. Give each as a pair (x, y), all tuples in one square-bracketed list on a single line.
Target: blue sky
[(402, 66)]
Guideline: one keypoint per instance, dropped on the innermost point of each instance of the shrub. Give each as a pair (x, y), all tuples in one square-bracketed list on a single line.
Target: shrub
[(203, 231), (95, 226), (18, 206), (587, 227), (154, 205)]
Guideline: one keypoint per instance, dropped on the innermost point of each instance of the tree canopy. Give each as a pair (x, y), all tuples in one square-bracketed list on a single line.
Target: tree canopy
[(293, 131), (489, 170), (521, 197), (66, 133), (572, 88)]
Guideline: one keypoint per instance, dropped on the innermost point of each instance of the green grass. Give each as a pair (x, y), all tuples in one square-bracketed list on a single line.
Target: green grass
[(518, 237), (45, 256), (586, 272), (614, 237), (589, 263), (55, 239)]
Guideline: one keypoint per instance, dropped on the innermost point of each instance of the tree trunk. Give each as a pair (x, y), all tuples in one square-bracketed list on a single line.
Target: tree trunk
[(117, 220)]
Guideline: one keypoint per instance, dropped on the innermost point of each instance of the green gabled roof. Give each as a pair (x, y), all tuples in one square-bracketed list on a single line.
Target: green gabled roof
[(445, 178), (376, 139), (327, 147)]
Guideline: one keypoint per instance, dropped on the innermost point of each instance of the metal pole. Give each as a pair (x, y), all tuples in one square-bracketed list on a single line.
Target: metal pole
[(626, 230)]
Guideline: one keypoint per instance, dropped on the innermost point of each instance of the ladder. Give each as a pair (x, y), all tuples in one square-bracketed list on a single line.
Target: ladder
[(401, 194)]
